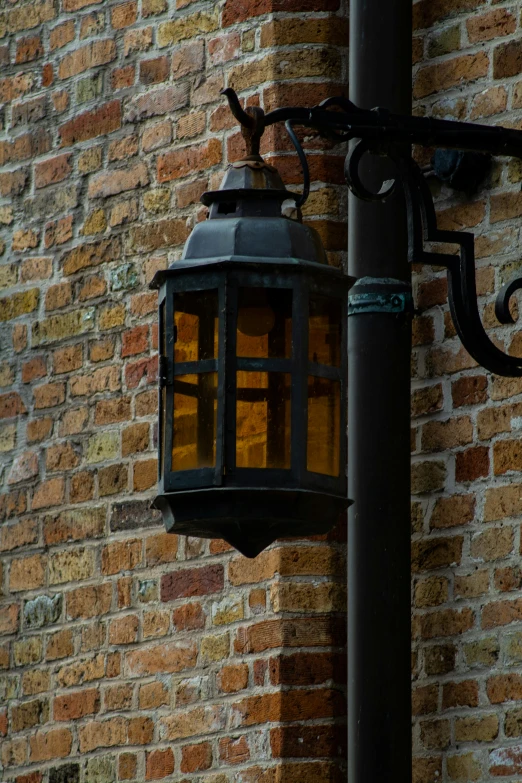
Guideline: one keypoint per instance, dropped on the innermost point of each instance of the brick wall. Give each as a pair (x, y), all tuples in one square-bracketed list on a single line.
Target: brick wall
[(127, 654), (467, 453)]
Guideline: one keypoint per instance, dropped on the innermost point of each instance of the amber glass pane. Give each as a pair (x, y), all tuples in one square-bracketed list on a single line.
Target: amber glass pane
[(263, 420), (195, 415), (264, 322), (163, 427), (324, 338), (163, 335), (324, 414), (196, 320)]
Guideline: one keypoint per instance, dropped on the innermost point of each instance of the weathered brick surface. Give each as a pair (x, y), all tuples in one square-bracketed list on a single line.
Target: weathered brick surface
[(113, 127), (466, 65)]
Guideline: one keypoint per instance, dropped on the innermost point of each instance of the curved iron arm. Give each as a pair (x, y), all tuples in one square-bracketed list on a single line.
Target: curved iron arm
[(380, 132)]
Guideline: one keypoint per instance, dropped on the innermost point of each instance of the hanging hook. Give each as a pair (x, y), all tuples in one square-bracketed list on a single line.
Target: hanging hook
[(251, 119)]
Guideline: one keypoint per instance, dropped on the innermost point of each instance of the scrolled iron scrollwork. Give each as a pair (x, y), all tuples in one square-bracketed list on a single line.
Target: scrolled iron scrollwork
[(380, 132), (354, 180)]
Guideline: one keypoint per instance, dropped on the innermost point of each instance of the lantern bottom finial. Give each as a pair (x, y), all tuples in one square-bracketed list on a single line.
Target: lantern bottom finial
[(250, 519)]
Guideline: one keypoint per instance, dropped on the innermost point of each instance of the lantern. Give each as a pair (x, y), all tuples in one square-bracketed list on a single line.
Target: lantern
[(252, 372)]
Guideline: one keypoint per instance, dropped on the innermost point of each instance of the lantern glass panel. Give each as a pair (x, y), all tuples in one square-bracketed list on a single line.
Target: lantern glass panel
[(324, 339), (163, 391), (264, 322), (195, 417), (196, 321), (324, 424), (163, 419), (263, 420)]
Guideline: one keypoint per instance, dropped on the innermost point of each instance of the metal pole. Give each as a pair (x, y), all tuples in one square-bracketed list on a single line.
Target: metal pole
[(379, 683)]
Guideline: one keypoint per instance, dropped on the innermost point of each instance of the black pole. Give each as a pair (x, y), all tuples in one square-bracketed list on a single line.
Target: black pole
[(379, 684)]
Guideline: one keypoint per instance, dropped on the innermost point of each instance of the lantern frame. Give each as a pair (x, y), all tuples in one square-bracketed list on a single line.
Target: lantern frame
[(293, 501)]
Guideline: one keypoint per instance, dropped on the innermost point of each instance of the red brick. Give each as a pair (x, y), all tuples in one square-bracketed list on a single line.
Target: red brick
[(52, 171), (159, 764), (11, 405), (161, 233), (472, 464), (469, 390), (102, 734), (123, 15), (67, 359), (234, 750), (49, 493), (134, 341), (498, 613), (29, 49), (195, 758), (122, 77), (123, 630), (146, 369), (427, 12), (89, 601), (85, 57), (180, 163), (145, 474), (34, 369), (61, 35), (154, 71), (241, 10), (17, 535), (507, 60), (50, 745), (285, 632), (90, 124), (12, 183), (161, 548), (233, 678), (61, 456), (491, 25), (168, 658), (9, 614), (58, 296), (127, 764), (47, 75), (121, 556), (504, 687), (450, 73), (111, 183), (187, 582), (506, 761), (112, 411), (58, 232), (140, 731), (436, 553), (49, 395), (72, 706), (26, 573), (460, 694), (446, 622), (189, 617)]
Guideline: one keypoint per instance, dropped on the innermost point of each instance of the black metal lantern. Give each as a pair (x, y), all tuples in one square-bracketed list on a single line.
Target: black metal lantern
[(253, 364)]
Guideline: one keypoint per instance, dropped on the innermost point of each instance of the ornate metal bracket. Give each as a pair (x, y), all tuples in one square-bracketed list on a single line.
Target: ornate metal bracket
[(379, 132)]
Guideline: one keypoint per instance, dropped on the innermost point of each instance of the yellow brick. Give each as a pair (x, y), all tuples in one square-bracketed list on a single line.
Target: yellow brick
[(59, 327), (95, 223), (110, 317), (321, 62), (71, 566), (19, 304), (215, 648), (177, 30)]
